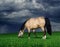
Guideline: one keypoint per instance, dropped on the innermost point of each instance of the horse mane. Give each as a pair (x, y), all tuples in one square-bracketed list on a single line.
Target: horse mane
[(23, 25)]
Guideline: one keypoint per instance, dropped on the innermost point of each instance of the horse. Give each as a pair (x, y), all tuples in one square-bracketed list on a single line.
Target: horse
[(34, 23)]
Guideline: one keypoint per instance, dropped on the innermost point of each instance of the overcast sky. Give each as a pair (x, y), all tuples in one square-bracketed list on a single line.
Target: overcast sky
[(14, 12)]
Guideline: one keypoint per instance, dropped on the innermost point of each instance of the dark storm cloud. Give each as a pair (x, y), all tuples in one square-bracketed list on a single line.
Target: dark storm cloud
[(14, 8), (14, 12)]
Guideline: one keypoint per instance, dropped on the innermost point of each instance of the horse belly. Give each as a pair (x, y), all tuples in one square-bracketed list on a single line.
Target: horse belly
[(34, 26)]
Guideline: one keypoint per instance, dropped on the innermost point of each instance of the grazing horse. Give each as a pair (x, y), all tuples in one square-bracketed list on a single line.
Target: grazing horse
[(33, 23)]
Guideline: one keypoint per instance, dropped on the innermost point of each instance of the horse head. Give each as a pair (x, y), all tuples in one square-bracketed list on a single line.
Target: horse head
[(20, 34)]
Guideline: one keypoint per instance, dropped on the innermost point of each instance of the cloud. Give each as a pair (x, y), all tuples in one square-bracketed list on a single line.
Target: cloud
[(37, 5), (20, 8), (19, 4), (19, 14), (11, 4)]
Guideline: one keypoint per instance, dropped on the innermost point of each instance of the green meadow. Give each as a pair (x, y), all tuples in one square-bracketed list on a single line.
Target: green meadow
[(12, 40)]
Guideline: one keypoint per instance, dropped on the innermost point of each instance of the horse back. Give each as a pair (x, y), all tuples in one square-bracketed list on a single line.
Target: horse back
[(41, 21), (35, 22), (31, 23)]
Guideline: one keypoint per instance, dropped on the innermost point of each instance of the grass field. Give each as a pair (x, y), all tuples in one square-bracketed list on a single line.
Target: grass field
[(11, 40)]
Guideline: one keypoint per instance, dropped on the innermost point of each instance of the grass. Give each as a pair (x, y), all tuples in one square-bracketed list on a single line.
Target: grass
[(11, 40)]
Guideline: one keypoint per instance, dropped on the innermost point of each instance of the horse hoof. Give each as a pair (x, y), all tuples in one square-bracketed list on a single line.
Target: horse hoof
[(28, 37), (43, 38)]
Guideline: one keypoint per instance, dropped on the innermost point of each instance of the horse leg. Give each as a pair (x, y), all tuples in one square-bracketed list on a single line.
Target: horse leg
[(44, 30), (34, 32), (28, 33)]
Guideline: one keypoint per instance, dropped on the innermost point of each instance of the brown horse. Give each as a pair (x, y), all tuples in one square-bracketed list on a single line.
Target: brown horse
[(38, 22)]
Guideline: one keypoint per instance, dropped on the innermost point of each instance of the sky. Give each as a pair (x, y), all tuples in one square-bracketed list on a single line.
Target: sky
[(14, 12)]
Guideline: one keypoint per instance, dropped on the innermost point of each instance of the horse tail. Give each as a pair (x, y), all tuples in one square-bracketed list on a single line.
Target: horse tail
[(48, 26), (23, 25)]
